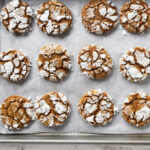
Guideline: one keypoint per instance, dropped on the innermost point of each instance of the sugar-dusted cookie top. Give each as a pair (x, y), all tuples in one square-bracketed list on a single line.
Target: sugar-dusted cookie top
[(52, 109), (16, 112), (14, 65), (99, 16), (95, 62), (96, 107), (54, 62), (16, 16), (136, 109), (134, 16), (135, 64), (53, 17)]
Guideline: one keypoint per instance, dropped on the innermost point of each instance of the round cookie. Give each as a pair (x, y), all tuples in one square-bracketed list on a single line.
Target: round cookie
[(95, 62), (134, 16), (134, 64), (14, 65), (99, 16), (96, 107), (136, 109), (17, 16), (54, 62), (52, 109), (53, 17), (16, 112)]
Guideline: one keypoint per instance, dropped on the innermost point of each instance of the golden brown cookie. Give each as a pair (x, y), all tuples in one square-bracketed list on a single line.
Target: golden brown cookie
[(95, 62), (96, 107), (134, 16), (135, 64), (14, 65), (53, 17), (54, 62), (16, 112), (52, 109), (16, 16), (136, 109), (99, 16)]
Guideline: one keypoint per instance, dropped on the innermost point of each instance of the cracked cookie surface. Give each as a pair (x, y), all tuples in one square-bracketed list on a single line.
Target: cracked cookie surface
[(53, 17), (14, 65), (134, 16), (54, 62), (95, 62), (17, 16), (136, 109), (16, 112), (52, 109), (134, 64), (99, 16), (96, 107)]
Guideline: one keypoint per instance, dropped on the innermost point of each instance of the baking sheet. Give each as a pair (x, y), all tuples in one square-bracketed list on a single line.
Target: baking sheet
[(75, 85)]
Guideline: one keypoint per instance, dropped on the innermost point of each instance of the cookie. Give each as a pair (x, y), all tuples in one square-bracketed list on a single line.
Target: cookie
[(16, 112), (17, 16), (134, 64), (134, 16), (52, 109), (95, 62), (99, 16), (53, 17), (96, 107), (136, 109), (14, 65), (54, 62)]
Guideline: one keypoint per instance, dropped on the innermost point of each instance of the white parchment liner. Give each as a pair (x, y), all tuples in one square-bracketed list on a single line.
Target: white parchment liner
[(75, 85)]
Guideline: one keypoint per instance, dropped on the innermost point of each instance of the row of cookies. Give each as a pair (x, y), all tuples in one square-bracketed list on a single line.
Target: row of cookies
[(98, 16), (96, 107), (54, 63), (52, 17)]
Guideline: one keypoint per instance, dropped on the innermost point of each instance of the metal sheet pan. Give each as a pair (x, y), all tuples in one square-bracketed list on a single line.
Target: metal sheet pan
[(74, 138), (77, 139)]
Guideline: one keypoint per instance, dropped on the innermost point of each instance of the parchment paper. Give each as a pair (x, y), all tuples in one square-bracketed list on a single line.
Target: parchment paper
[(75, 85)]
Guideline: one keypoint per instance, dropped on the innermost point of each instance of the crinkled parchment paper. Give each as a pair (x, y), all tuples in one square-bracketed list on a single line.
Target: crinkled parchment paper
[(75, 85)]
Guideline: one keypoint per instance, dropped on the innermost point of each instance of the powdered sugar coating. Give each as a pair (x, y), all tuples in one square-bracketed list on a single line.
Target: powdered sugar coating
[(134, 64), (95, 62), (53, 17), (134, 16), (16, 16), (52, 109), (54, 62), (99, 16), (16, 112), (96, 107), (136, 109), (14, 65)]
